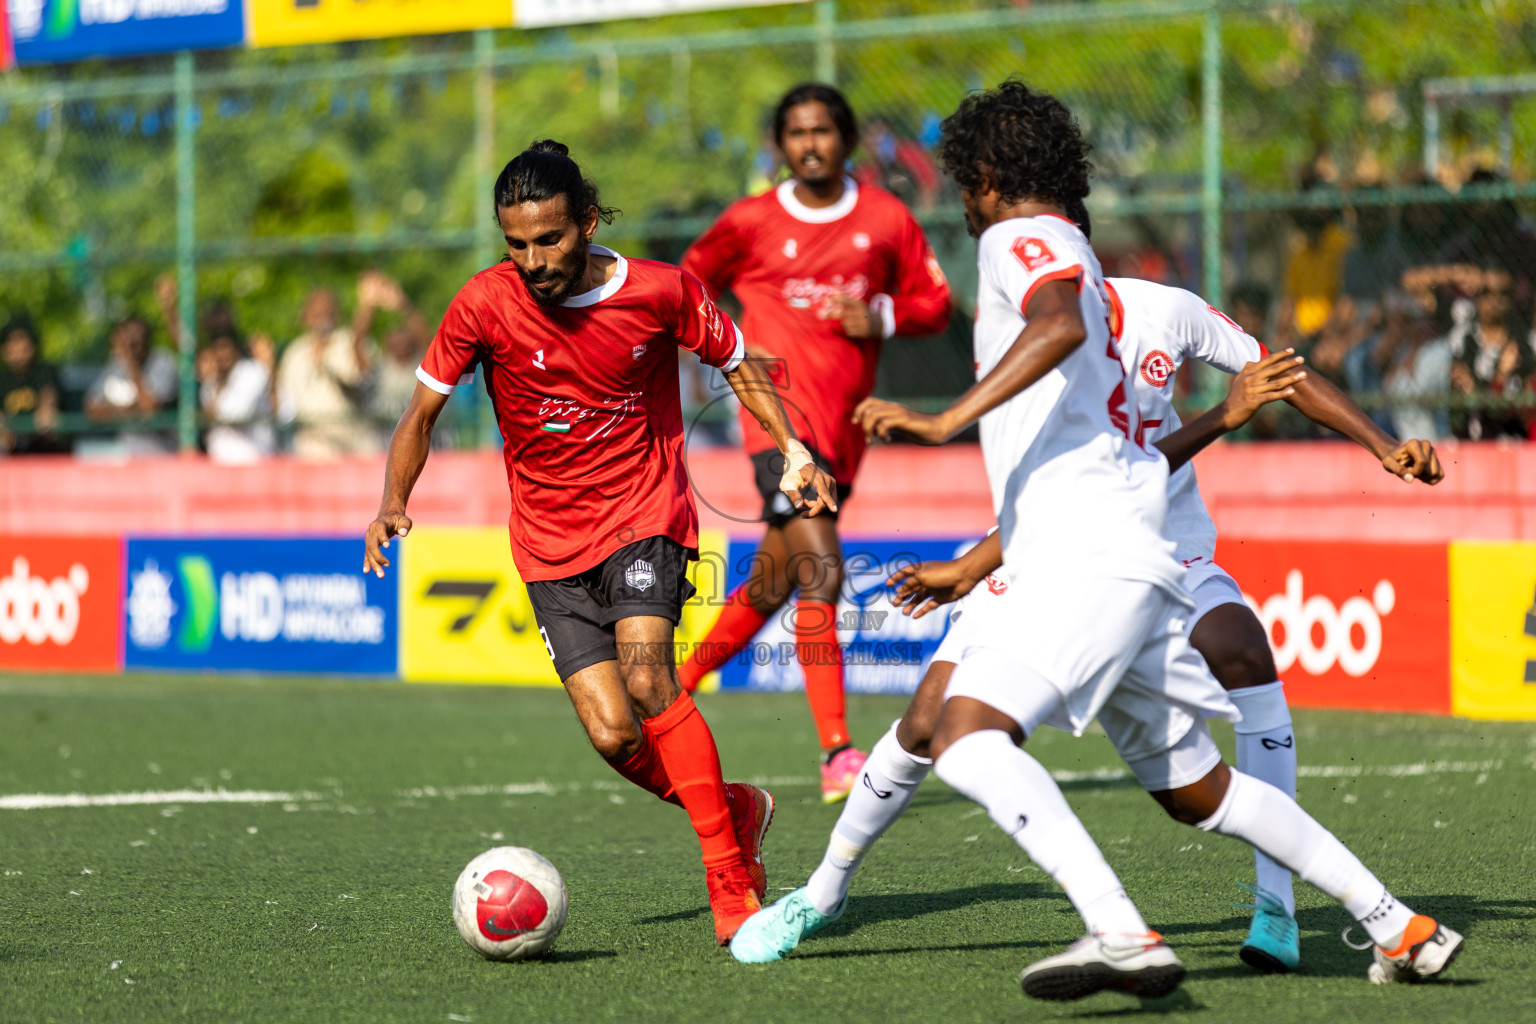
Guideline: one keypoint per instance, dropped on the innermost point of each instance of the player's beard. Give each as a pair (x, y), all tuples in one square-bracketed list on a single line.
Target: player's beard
[(567, 282), (971, 227)]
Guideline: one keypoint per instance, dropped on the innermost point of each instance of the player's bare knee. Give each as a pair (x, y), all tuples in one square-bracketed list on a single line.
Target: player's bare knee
[(1238, 666), (915, 730), (1234, 645), (819, 577), (651, 688), (616, 739), (1199, 801), (1183, 809), (915, 735)]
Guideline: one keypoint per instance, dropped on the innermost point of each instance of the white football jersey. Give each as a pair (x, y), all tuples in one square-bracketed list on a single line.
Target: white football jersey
[(1072, 489), (1160, 328)]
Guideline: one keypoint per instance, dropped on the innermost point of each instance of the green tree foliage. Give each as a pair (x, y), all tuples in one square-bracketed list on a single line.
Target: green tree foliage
[(332, 165)]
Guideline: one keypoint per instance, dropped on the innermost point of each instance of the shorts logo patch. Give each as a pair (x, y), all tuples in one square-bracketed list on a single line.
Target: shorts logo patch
[(640, 575), (1033, 253), (1157, 368), (996, 585)]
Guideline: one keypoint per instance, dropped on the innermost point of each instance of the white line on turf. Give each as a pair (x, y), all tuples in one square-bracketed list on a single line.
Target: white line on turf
[(47, 801)]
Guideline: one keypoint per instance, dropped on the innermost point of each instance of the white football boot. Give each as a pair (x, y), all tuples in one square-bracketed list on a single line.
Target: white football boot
[(1139, 965), (1428, 947)]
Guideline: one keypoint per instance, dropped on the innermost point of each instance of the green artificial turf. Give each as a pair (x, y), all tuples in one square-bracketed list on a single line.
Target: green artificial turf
[(334, 906)]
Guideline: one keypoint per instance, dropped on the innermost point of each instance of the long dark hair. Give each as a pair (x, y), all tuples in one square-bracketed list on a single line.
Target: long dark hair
[(545, 170)]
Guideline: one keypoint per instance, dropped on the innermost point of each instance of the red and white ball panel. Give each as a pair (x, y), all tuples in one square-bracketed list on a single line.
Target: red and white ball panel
[(509, 903)]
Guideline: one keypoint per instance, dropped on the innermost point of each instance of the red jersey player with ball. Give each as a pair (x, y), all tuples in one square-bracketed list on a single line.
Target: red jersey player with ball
[(579, 347), (825, 270)]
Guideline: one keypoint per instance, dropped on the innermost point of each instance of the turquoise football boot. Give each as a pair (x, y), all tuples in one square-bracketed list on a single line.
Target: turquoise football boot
[(1274, 942), (775, 931)]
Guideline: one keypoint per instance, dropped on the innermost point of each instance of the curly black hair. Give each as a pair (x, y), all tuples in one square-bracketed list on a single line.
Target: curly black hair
[(1024, 143)]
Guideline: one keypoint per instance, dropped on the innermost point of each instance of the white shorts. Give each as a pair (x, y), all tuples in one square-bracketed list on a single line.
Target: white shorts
[(1208, 584), (1211, 586), (1107, 648)]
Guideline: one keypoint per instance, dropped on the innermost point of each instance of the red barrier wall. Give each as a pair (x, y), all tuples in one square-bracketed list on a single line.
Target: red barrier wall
[(1352, 625), (1318, 491)]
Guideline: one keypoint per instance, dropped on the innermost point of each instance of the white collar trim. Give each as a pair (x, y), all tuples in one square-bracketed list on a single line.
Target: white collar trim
[(606, 290), (814, 215)]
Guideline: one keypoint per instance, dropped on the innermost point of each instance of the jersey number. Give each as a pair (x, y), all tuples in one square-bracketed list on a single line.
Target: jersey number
[(1118, 415), (538, 359)]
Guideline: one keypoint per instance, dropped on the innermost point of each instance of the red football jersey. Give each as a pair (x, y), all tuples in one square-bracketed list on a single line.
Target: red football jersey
[(586, 396), (786, 262)]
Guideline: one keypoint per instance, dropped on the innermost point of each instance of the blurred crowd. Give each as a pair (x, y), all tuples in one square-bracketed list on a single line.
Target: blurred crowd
[(334, 389), (1424, 312)]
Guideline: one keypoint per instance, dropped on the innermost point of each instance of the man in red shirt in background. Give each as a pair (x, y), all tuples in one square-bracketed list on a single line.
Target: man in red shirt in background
[(579, 347), (825, 270)]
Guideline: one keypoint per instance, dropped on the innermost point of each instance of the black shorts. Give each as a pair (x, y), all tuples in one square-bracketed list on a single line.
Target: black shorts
[(576, 615), (768, 470)]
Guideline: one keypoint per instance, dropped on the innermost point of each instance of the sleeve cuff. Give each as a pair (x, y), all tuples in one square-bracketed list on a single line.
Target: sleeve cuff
[(1072, 272), (885, 307), (437, 385), (737, 356)]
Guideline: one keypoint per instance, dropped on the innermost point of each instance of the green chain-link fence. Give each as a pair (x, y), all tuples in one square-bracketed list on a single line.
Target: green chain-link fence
[(1305, 164)]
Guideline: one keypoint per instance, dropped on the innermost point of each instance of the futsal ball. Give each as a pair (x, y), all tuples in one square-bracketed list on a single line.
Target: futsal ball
[(509, 903)]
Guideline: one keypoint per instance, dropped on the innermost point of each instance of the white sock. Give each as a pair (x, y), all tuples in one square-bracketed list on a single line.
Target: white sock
[(1020, 795), (1266, 749), (886, 785), (1268, 820)]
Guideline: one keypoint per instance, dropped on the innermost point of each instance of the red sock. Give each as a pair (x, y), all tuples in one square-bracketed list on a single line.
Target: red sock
[(822, 660), (686, 748), (733, 630), (646, 770)]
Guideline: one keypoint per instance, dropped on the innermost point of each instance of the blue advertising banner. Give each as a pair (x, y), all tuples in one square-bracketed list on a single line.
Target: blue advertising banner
[(883, 650), (48, 31), (289, 605)]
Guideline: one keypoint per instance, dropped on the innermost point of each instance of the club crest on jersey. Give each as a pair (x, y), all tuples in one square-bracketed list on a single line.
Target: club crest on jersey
[(640, 575), (935, 272), (860, 240), (791, 249), (1032, 252), (1157, 368), (636, 352)]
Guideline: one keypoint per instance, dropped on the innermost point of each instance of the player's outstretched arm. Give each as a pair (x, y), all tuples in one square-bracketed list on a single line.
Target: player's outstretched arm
[(754, 388), (407, 455), (925, 586), (1054, 329), (1319, 401), (1271, 379)]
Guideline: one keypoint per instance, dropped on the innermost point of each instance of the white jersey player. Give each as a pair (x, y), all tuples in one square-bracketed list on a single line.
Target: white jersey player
[(1081, 504)]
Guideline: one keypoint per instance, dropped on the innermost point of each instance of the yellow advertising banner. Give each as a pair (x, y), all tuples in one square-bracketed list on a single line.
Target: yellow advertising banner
[(465, 616), (285, 22), (1493, 630)]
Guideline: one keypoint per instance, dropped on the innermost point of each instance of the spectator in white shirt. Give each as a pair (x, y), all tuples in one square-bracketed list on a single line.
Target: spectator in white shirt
[(235, 390), (139, 382), (395, 380), (325, 373)]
